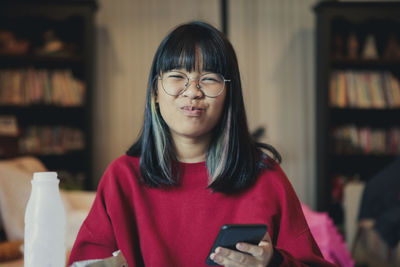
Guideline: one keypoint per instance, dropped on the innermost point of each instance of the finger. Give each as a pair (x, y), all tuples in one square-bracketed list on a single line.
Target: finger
[(233, 258), (256, 251), (264, 243), (266, 238), (223, 261)]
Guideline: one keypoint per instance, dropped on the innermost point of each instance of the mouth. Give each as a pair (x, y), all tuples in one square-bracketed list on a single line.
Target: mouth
[(191, 108), (192, 111)]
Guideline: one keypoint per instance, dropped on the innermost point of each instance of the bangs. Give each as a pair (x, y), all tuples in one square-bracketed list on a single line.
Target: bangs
[(193, 49)]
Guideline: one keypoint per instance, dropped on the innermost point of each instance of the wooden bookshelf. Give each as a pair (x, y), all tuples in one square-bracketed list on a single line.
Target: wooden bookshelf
[(353, 41), (46, 84)]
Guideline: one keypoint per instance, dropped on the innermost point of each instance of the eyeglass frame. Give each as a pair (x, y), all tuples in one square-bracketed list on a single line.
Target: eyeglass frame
[(197, 86)]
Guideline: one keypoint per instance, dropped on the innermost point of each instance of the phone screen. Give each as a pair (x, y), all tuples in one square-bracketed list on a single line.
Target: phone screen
[(230, 234)]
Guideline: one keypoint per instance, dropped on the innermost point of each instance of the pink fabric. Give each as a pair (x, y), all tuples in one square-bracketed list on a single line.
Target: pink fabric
[(326, 235)]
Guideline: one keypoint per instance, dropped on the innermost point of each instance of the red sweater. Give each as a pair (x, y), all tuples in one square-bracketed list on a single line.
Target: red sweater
[(177, 226)]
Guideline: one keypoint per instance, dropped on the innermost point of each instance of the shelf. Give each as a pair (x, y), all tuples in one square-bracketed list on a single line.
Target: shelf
[(24, 61), (33, 107), (365, 165), (337, 23), (42, 114), (73, 161), (36, 58), (366, 63), (47, 24), (372, 117)]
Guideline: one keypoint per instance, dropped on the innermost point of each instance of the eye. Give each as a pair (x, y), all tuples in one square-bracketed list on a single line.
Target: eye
[(175, 75), (211, 78)]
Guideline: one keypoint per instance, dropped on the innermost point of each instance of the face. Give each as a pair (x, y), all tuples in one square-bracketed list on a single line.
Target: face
[(191, 114)]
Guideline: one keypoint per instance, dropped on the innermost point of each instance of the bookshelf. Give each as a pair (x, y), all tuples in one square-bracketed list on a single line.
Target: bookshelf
[(357, 94), (46, 85)]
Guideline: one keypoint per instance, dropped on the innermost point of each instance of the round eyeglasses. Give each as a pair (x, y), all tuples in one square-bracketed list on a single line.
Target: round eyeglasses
[(175, 83)]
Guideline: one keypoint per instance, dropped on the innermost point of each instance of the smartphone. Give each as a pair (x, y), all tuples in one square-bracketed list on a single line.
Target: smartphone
[(230, 234)]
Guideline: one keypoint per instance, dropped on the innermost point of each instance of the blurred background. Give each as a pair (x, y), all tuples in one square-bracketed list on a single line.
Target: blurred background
[(320, 81)]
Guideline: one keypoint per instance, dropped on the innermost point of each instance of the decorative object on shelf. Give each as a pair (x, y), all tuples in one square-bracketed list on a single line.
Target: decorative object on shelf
[(338, 47), (352, 46), (392, 50), (54, 46), (369, 51), (9, 45)]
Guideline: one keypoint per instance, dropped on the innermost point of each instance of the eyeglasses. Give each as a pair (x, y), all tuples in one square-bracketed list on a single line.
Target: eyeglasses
[(175, 83)]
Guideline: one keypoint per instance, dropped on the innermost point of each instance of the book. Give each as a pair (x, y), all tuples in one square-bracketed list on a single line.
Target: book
[(8, 125)]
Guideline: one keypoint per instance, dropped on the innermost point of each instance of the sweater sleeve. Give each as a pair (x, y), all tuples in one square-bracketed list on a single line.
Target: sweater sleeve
[(299, 253), (294, 243), (95, 239)]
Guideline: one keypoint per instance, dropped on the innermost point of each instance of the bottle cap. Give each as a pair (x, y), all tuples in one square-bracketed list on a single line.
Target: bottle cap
[(45, 176)]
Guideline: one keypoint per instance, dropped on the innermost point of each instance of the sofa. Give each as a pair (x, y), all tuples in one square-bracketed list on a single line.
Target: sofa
[(15, 188)]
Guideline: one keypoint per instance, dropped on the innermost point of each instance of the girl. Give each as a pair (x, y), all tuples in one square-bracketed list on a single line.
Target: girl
[(194, 168)]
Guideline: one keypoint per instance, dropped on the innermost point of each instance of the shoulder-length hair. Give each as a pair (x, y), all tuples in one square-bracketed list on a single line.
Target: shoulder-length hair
[(233, 159)]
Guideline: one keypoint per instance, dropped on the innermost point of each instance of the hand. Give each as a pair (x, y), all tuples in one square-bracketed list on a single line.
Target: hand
[(259, 255)]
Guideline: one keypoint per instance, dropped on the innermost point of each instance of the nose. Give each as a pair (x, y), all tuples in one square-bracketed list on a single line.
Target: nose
[(193, 89)]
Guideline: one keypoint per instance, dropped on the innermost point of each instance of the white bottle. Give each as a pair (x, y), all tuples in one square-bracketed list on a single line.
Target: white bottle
[(45, 222)]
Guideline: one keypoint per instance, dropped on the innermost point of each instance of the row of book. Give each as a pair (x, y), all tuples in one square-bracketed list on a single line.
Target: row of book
[(350, 139), (23, 87), (364, 89), (46, 140)]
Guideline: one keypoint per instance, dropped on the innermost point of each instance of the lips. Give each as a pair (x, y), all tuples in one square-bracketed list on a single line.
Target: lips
[(192, 110)]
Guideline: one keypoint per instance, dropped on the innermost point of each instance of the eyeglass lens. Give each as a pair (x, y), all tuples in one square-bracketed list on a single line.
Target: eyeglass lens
[(175, 83)]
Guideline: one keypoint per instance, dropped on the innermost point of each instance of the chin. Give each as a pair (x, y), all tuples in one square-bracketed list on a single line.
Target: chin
[(192, 133)]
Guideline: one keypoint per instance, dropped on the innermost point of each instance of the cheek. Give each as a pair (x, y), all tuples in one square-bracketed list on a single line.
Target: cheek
[(219, 105), (169, 111), (216, 112), (166, 108)]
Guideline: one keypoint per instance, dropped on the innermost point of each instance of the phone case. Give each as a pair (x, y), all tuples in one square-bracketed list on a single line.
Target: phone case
[(230, 234)]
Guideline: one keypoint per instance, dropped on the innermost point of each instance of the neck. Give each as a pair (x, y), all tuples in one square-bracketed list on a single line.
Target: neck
[(191, 150)]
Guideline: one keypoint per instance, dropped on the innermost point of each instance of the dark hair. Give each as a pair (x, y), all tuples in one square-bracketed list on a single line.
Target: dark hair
[(234, 159)]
